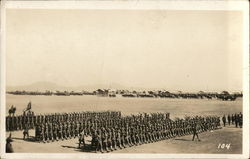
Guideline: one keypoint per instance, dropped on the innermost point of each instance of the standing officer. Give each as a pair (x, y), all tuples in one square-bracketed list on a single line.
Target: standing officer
[(236, 116), (81, 140), (25, 132), (233, 119), (240, 120), (9, 148), (229, 119), (224, 120), (195, 127)]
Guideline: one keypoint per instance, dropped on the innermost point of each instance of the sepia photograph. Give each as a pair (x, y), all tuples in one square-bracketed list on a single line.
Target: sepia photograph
[(124, 81)]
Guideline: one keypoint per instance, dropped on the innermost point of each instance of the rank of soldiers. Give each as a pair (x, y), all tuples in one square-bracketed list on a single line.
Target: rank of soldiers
[(111, 132), (29, 119), (109, 129), (142, 130)]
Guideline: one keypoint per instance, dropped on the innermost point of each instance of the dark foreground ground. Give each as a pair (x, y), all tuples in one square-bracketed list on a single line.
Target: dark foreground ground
[(208, 145)]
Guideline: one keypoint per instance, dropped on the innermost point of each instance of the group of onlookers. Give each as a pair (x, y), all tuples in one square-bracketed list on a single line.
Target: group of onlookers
[(233, 119)]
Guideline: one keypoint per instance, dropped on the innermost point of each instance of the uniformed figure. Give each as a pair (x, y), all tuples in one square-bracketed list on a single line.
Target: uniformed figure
[(233, 119), (94, 138), (236, 116), (37, 132), (229, 119), (109, 130), (224, 120), (8, 123), (42, 135), (60, 131), (55, 132), (240, 120), (81, 141), (104, 140), (99, 141), (118, 138), (109, 139), (113, 136), (9, 148), (46, 132), (25, 132), (195, 133)]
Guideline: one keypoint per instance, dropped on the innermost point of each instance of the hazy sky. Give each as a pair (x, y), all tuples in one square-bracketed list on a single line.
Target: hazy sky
[(175, 50)]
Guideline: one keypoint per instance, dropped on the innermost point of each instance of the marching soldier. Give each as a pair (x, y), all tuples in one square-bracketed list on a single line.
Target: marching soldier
[(127, 137), (8, 123), (109, 140), (81, 140), (224, 120), (68, 130), (37, 132), (25, 132), (60, 131), (94, 138), (55, 132), (118, 138), (77, 129), (46, 132), (195, 133), (42, 134), (113, 134), (105, 140), (99, 142)]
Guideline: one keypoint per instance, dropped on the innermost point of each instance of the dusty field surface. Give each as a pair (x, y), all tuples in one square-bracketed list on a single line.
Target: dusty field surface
[(209, 144), (176, 107)]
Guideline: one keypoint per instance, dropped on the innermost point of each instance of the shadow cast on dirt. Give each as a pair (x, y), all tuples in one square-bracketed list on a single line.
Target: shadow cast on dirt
[(182, 139), (29, 139), (86, 148)]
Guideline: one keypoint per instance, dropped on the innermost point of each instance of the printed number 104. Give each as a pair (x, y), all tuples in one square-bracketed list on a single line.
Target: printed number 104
[(224, 146)]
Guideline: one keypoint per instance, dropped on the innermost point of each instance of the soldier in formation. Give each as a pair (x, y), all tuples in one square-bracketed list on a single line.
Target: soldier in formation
[(30, 120), (233, 119), (111, 131), (71, 125), (134, 130)]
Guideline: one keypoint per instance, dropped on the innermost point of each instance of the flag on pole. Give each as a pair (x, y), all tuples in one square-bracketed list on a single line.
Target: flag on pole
[(28, 106)]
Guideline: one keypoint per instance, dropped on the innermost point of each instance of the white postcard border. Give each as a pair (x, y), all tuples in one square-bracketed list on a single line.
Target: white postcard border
[(159, 5)]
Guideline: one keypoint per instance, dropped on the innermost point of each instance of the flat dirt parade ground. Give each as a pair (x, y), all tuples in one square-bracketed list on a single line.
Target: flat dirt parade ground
[(176, 107)]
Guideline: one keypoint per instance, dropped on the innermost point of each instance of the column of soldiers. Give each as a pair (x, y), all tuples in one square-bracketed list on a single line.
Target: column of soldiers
[(137, 130), (110, 132), (29, 119), (233, 119), (65, 126), (20, 122)]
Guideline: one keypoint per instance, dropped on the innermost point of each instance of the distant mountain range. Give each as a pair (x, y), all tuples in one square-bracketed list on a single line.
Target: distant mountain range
[(51, 86), (43, 86)]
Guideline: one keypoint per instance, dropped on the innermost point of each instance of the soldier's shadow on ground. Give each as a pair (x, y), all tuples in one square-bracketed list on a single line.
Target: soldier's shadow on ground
[(69, 147), (86, 148), (30, 139), (182, 139)]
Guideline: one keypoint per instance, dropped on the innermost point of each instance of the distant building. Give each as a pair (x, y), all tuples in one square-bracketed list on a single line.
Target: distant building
[(102, 92)]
